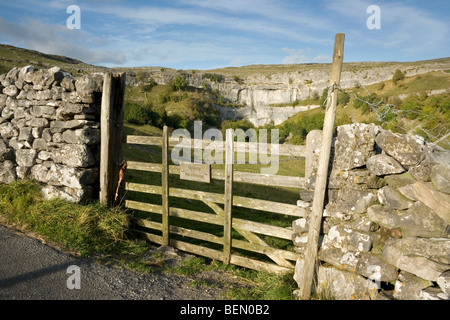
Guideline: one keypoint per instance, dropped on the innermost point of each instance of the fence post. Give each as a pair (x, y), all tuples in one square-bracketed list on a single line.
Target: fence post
[(229, 159), (111, 135), (165, 188), (307, 273)]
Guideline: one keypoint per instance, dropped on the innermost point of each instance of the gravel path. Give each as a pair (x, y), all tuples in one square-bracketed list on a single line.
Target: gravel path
[(31, 269)]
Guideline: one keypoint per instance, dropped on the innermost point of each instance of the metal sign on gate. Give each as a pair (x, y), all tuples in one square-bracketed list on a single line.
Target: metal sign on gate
[(200, 172)]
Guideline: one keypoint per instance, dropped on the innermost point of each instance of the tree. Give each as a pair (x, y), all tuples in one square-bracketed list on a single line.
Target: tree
[(398, 76), (179, 83)]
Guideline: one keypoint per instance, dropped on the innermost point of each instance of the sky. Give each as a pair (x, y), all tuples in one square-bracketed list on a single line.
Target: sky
[(206, 34)]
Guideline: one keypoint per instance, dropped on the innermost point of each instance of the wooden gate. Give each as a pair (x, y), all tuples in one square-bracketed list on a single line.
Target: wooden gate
[(191, 206)]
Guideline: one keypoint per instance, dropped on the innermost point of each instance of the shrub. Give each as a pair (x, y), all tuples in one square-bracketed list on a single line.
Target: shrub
[(136, 114), (179, 83), (398, 76)]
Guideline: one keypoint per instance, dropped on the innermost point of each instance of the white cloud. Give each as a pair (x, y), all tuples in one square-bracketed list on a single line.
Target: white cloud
[(57, 39), (237, 62), (297, 56)]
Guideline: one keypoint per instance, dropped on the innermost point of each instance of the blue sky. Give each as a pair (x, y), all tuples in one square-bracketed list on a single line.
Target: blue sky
[(205, 34)]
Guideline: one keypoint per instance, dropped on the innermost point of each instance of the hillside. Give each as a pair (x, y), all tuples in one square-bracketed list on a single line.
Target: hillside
[(11, 57)]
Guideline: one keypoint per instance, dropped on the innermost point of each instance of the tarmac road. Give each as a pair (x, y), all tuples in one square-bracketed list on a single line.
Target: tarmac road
[(32, 270)]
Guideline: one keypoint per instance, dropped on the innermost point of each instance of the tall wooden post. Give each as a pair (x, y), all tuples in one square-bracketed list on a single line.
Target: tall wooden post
[(111, 134), (307, 273), (165, 188), (227, 225)]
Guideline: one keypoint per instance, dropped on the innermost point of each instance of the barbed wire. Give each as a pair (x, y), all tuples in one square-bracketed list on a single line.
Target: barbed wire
[(404, 121)]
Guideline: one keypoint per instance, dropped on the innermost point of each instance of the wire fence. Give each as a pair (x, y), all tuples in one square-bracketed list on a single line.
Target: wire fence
[(432, 127)]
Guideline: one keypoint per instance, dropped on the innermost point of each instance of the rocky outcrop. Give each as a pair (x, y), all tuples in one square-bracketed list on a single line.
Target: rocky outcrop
[(259, 91), (50, 130), (387, 218)]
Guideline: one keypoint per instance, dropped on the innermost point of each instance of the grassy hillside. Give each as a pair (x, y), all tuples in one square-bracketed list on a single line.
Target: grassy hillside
[(11, 57), (407, 106)]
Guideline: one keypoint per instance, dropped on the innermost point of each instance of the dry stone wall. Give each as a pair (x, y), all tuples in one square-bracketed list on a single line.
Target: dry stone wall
[(386, 225), (50, 130)]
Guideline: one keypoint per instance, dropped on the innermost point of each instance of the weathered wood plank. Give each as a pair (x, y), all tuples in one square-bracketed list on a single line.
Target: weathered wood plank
[(261, 228), (270, 206), (147, 207), (196, 234), (196, 249), (258, 265), (254, 239), (241, 244), (145, 188), (148, 224), (148, 140), (196, 215), (144, 166), (197, 195)]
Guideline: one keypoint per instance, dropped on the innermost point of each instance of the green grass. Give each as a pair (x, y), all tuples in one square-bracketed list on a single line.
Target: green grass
[(83, 229)]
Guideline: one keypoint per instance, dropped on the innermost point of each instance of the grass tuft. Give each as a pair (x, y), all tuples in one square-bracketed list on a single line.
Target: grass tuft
[(84, 229)]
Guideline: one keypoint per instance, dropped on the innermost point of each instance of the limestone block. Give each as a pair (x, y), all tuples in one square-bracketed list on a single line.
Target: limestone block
[(342, 237), (354, 145), (87, 136), (427, 258), (71, 177), (45, 79), (74, 155), (39, 173), (433, 293), (26, 74), (44, 95), (39, 144), (11, 91), (68, 83), (89, 83), (356, 179), (3, 98), (26, 157), (7, 172), (444, 282), (363, 263), (23, 172), (39, 122), (8, 130), (382, 165), (6, 152), (440, 176), (349, 204), (422, 171), (399, 180), (388, 196), (335, 284), (421, 221), (408, 150), (408, 286), (70, 194), (437, 201)]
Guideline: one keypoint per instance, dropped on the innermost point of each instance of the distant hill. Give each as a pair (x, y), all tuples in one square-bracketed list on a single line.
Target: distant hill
[(11, 57)]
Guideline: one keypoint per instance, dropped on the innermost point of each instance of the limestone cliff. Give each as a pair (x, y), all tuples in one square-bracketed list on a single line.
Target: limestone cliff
[(264, 86)]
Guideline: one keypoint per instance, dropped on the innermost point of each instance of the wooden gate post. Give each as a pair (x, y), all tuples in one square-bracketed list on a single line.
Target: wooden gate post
[(229, 159), (111, 135), (307, 274), (165, 188)]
